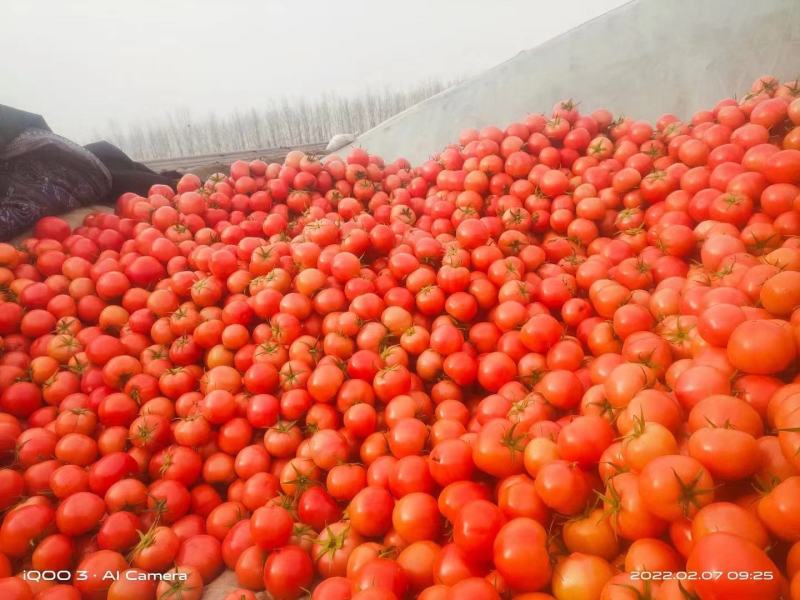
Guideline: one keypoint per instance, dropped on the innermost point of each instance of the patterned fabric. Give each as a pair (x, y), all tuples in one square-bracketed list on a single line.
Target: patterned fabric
[(43, 174)]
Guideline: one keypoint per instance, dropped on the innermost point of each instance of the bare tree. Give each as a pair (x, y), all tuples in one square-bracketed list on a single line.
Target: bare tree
[(279, 122)]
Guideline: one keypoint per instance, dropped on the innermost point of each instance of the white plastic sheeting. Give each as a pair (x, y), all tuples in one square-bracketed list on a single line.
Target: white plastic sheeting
[(643, 59), (339, 141)]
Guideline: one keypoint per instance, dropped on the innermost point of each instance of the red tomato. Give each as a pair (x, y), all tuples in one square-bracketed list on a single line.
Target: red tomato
[(520, 555), (731, 554)]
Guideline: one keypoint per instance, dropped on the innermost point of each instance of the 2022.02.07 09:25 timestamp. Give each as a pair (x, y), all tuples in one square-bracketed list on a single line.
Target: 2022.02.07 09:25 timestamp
[(702, 575)]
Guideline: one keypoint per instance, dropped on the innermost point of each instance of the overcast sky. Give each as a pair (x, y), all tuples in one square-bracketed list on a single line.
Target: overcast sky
[(82, 63)]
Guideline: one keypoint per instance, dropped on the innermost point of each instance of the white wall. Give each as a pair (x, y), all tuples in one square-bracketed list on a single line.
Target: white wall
[(643, 59)]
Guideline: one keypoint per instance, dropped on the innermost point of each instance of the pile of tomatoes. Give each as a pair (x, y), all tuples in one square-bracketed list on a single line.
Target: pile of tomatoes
[(558, 360)]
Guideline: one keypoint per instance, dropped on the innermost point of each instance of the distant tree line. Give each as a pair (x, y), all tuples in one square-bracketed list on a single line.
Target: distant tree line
[(281, 122)]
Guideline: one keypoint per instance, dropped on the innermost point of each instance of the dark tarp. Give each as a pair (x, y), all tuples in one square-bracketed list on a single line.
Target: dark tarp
[(42, 173), (13, 122), (126, 174)]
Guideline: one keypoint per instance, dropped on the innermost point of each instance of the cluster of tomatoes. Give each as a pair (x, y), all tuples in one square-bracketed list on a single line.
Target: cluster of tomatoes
[(556, 361)]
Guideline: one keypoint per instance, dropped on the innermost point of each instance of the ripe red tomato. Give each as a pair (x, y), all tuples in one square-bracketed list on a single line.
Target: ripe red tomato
[(761, 347), (476, 528), (520, 555), (288, 572), (731, 554)]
